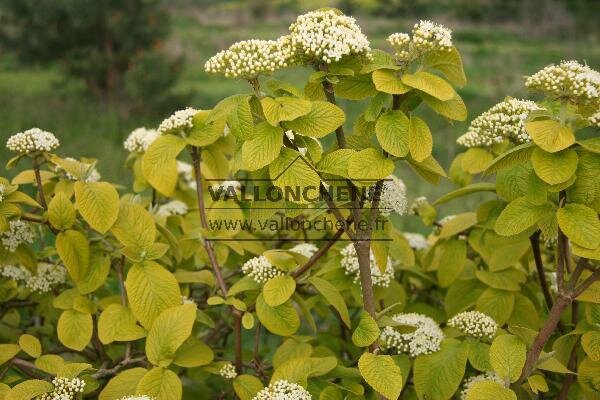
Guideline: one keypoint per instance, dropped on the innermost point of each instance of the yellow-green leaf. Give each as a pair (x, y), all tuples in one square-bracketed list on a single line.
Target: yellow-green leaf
[(74, 251), (447, 62), (282, 320), (453, 109), (366, 332), (134, 226), (519, 215), (169, 330), (30, 345), (99, 267), (420, 141), (29, 389), (8, 351), (75, 329), (122, 385), (476, 160), (489, 390), (117, 323), (431, 84), (284, 108), (554, 168), (322, 119), (263, 147), (333, 297), (193, 353), (392, 129), (98, 204), (382, 374), (387, 81), (550, 134), (278, 290), (369, 165), (507, 356), (61, 213), (159, 163), (590, 341), (246, 386), (160, 384), (580, 224)]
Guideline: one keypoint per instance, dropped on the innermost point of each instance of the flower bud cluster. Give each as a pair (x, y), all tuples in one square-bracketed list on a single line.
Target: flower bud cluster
[(250, 58), (418, 203), (19, 232), (425, 339), (179, 122), (392, 198), (325, 36), (227, 371), (475, 324), (351, 267), (260, 269), (305, 249), (140, 139), (569, 79), (64, 389), (486, 376), (594, 120), (173, 207), (48, 276), (504, 120), (32, 140), (426, 36), (283, 390), (2, 192), (416, 241)]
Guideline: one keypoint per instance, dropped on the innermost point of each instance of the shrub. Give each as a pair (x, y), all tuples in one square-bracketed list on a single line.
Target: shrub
[(247, 258)]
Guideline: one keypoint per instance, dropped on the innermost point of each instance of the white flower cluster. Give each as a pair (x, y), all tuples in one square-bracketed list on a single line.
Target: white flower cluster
[(425, 339), (250, 58), (416, 241), (504, 120), (32, 140), (173, 207), (418, 203), (486, 376), (187, 300), (228, 186), (351, 267), (47, 277), (426, 36), (227, 371), (18, 232), (305, 249), (393, 197), (260, 269), (594, 120), (327, 36), (64, 389), (140, 139), (180, 121), (283, 390), (475, 324), (569, 79), (2, 192)]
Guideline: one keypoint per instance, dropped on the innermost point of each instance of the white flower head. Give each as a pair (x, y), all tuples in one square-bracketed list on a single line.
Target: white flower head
[(393, 197), (486, 376), (227, 371), (426, 36), (283, 390), (32, 140), (64, 389), (350, 264), (504, 120), (2, 192), (425, 339), (173, 207), (187, 300), (19, 232), (594, 120), (305, 249), (475, 324), (326, 36), (416, 241), (569, 79), (179, 122), (140, 139), (260, 269), (250, 58), (48, 276)]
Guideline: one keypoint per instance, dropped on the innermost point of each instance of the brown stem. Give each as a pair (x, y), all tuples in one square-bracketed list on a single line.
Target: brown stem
[(539, 266), (119, 270), (30, 218), (38, 180), (586, 283), (107, 373)]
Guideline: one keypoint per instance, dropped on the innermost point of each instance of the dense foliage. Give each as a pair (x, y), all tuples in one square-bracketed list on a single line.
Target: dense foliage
[(217, 273)]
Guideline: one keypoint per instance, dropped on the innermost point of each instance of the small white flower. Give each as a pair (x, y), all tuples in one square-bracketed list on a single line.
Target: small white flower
[(47, 277), (2, 192), (179, 122), (569, 79), (32, 140), (418, 203), (486, 376), (227, 371), (594, 120), (416, 241), (15, 273), (350, 264), (140, 139), (64, 389), (306, 249), (19, 232), (283, 390), (425, 339), (426, 36), (260, 269), (475, 324), (393, 197), (173, 207), (187, 300), (504, 120)]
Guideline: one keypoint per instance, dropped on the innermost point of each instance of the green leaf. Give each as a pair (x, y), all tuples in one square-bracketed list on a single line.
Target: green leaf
[(98, 204), (580, 224), (437, 376), (151, 289), (507, 279), (498, 304), (97, 272), (160, 384), (284, 108), (29, 389), (592, 144), (74, 251), (246, 386), (507, 356), (240, 120), (134, 226), (291, 170), (387, 81), (420, 141), (263, 148), (75, 329), (8, 351), (322, 119), (159, 163), (550, 134), (382, 374), (453, 259), (193, 353), (448, 63), (355, 87), (460, 223), (369, 165), (367, 331), (590, 341), (554, 168), (207, 127), (333, 297), (282, 320), (61, 213), (278, 290), (453, 109), (431, 84), (429, 169), (519, 215), (392, 129), (517, 155), (476, 160), (30, 345), (479, 356), (123, 384), (336, 162), (489, 390), (463, 191), (117, 323), (169, 330)]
